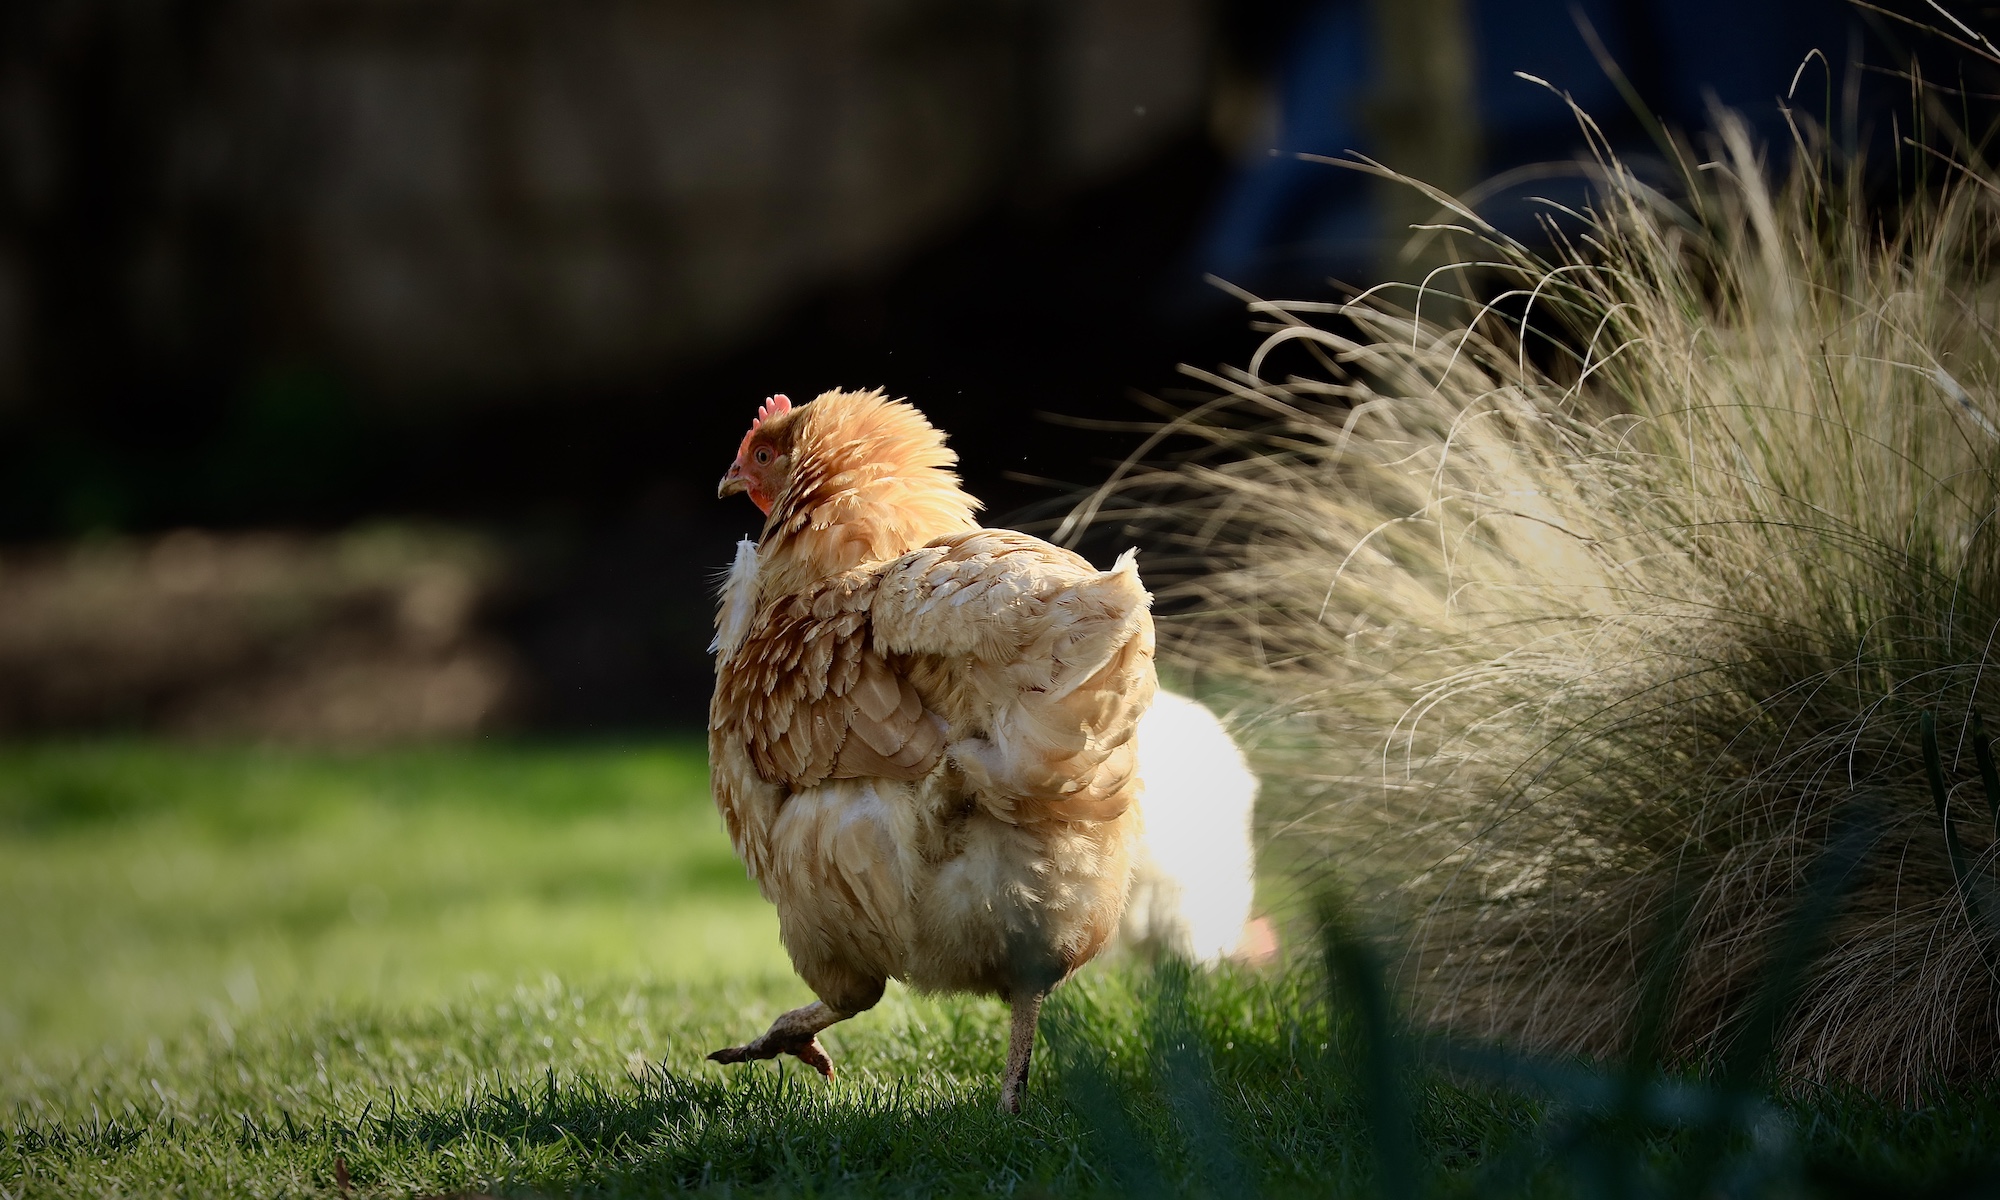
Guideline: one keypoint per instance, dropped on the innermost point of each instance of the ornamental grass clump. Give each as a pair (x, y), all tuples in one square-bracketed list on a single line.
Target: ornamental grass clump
[(1581, 619)]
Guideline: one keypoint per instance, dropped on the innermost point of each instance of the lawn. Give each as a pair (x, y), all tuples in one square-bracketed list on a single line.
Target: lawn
[(497, 970), (164, 886)]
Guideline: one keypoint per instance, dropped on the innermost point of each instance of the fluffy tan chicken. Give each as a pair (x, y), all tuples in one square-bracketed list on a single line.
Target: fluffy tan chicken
[(922, 736)]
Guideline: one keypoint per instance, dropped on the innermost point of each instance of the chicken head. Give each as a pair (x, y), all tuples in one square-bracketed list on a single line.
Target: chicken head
[(764, 459)]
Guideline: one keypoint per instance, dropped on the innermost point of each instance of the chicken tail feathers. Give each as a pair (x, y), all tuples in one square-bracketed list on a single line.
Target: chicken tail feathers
[(1116, 606)]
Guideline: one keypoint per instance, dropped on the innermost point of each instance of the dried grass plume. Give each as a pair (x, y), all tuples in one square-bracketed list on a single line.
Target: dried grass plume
[(1605, 599)]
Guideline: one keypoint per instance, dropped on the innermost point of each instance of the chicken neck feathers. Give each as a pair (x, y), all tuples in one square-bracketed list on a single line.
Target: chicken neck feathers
[(870, 479)]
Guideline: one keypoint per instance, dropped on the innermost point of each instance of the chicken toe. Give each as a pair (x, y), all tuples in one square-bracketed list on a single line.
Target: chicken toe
[(795, 1033)]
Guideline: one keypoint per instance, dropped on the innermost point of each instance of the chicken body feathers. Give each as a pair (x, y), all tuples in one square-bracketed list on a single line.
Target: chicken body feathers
[(927, 762), (990, 634)]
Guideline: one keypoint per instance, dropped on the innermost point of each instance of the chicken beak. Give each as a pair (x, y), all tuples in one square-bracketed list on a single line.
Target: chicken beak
[(732, 484)]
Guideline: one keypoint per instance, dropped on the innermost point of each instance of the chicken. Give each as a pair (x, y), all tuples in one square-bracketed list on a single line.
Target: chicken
[(922, 736), (1194, 863)]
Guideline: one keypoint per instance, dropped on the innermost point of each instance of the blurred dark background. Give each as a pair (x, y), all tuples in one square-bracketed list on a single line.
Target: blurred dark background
[(367, 366)]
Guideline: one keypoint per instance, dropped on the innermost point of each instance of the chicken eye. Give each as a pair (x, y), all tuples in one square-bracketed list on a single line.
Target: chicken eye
[(763, 456)]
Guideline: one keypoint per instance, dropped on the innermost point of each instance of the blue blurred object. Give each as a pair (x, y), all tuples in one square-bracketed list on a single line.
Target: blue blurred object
[(1284, 223), (1281, 212)]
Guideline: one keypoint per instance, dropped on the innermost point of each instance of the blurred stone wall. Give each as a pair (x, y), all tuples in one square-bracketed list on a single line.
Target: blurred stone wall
[(459, 199)]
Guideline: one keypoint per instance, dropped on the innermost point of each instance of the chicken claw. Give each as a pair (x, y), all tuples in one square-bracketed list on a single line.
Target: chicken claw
[(795, 1033), (811, 1053)]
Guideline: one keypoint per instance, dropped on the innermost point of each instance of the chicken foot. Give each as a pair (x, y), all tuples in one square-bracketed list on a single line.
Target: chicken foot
[(795, 1033), (1020, 1048)]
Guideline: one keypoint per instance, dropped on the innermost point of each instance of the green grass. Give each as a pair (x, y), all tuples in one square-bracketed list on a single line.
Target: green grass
[(161, 885), (499, 970)]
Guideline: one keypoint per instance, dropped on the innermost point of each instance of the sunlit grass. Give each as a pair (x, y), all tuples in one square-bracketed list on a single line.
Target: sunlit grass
[(601, 1089), (147, 888), (498, 971)]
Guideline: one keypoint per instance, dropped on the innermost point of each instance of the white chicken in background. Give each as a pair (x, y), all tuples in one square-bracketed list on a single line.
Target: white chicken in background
[(1194, 868)]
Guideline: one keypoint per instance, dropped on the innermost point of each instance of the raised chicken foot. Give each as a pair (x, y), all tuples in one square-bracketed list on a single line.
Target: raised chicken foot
[(1020, 1048), (795, 1033)]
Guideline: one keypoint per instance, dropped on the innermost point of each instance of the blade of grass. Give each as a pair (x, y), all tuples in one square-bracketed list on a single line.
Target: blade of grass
[(1355, 969), (1989, 777), (1971, 890), (1187, 1079)]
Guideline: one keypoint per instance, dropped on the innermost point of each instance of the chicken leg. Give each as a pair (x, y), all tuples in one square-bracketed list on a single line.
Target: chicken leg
[(795, 1033), (1020, 1048)]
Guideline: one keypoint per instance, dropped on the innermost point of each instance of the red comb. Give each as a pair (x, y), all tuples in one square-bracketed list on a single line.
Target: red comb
[(775, 406)]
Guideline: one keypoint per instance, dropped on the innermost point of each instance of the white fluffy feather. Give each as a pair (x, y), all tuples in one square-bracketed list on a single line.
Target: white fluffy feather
[(739, 600)]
